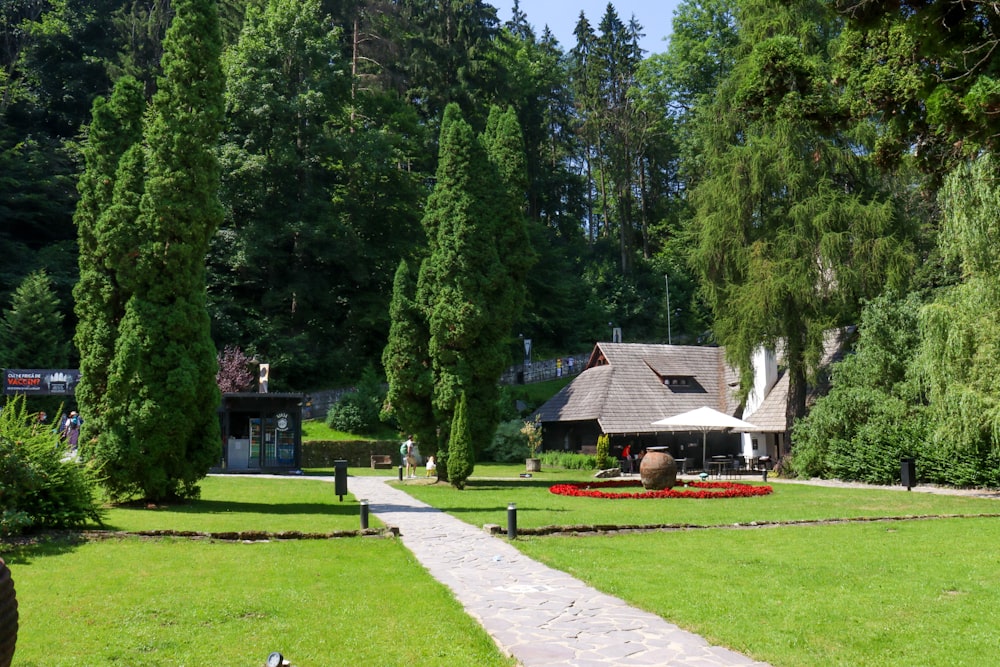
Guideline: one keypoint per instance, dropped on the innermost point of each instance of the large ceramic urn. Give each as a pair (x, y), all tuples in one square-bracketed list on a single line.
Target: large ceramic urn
[(8, 616), (658, 471)]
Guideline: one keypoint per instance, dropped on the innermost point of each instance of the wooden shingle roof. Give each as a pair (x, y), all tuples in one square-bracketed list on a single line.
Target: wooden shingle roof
[(623, 388)]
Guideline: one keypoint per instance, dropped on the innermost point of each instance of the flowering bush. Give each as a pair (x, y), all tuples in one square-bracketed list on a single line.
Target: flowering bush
[(690, 490)]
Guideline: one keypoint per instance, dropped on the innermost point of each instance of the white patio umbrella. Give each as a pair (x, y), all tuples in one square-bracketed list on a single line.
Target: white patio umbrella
[(704, 419)]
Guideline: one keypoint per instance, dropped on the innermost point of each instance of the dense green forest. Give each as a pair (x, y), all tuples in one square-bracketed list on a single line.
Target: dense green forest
[(328, 153), (781, 169)]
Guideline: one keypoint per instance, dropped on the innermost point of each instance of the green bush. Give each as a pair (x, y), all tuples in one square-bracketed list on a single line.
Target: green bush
[(357, 453), (348, 415), (509, 444), (603, 451), (568, 460), (40, 486), (359, 411)]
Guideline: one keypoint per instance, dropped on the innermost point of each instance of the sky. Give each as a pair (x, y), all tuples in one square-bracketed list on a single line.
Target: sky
[(655, 16)]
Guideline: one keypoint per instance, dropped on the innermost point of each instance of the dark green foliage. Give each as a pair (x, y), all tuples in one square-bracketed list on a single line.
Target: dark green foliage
[(407, 362), (349, 415), (461, 278), (105, 218), (910, 65), (791, 231), (31, 334), (163, 430), (509, 444), (471, 285), (308, 290), (446, 55), (358, 411), (39, 487), (461, 455), (873, 413)]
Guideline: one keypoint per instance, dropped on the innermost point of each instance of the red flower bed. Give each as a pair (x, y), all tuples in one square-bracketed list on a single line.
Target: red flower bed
[(688, 490)]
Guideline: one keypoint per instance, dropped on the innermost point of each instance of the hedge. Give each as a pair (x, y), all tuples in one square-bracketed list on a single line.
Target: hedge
[(357, 453)]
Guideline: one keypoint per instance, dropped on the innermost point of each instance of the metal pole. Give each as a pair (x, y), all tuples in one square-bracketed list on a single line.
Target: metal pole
[(512, 521), (364, 514), (666, 279)]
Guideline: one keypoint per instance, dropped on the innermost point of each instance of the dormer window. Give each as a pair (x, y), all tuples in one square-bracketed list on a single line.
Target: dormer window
[(677, 381)]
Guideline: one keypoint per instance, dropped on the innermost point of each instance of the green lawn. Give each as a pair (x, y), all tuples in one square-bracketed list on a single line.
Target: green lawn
[(165, 602), (893, 593), (248, 502), (485, 501)]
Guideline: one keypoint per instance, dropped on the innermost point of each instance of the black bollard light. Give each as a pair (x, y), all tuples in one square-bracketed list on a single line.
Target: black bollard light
[(400, 472), (364, 514), (512, 521), (764, 475)]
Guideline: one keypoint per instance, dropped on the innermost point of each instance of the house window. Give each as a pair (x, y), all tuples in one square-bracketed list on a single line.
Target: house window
[(677, 381)]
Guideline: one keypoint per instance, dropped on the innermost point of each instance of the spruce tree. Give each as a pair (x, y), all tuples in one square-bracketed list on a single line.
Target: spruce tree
[(31, 331), (99, 301), (163, 431)]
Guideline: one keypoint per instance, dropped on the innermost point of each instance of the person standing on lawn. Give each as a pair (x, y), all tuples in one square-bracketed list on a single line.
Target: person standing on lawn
[(409, 463)]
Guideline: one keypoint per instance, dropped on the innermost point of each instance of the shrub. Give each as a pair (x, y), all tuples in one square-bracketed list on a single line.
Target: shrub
[(348, 415), (41, 487), (569, 460), (509, 444), (359, 411), (603, 451)]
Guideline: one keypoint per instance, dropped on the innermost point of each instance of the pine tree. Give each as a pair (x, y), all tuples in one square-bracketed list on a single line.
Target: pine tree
[(460, 447), (163, 431), (31, 331)]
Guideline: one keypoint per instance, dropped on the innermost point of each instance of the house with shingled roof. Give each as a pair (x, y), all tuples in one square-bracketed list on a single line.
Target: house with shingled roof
[(625, 387)]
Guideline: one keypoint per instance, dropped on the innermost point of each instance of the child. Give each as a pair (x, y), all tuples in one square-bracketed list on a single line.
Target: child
[(431, 466)]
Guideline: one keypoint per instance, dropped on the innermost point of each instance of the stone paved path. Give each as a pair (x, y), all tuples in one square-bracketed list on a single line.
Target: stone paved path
[(540, 616)]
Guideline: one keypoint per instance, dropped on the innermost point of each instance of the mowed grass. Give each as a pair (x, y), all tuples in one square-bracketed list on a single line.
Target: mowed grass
[(868, 592), (902, 593), (169, 602), (485, 501), (141, 602), (248, 503)]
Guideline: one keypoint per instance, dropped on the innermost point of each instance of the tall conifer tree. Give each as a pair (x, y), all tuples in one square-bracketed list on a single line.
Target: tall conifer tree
[(789, 232), (99, 300), (471, 286), (407, 364), (163, 429)]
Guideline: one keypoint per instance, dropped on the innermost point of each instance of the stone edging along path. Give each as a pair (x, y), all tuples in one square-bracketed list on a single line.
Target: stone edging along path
[(492, 529)]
